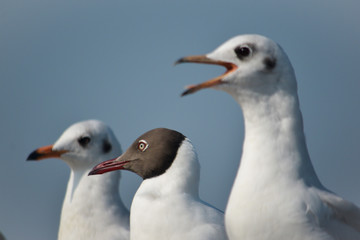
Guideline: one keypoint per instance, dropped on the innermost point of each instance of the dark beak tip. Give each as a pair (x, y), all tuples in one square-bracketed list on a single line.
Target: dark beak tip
[(186, 92), (94, 172), (189, 91), (32, 156), (180, 60)]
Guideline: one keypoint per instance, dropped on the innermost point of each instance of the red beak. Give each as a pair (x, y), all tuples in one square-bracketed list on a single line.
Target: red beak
[(108, 166)]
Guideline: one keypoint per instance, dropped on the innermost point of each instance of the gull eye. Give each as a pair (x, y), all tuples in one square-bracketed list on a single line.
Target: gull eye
[(243, 52), (84, 141), (142, 145)]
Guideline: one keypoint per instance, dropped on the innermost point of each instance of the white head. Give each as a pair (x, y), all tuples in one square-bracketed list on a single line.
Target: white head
[(82, 145), (254, 63)]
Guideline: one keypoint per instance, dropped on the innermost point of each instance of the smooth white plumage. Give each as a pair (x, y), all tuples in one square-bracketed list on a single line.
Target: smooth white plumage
[(276, 193), (167, 205), (92, 208)]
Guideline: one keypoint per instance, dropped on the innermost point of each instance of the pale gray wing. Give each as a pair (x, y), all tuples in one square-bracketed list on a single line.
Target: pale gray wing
[(344, 220)]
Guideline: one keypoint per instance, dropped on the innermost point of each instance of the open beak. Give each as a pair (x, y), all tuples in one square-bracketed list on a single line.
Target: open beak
[(230, 67), (108, 166), (45, 152)]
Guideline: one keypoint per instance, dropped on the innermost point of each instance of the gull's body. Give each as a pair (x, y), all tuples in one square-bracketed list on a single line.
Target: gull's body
[(92, 208), (167, 204), (276, 193)]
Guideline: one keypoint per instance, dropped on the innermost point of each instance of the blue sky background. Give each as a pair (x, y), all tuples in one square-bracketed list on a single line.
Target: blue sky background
[(67, 61)]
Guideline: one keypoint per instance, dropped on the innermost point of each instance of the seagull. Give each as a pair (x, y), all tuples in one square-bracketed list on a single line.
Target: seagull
[(276, 193), (167, 204), (92, 208)]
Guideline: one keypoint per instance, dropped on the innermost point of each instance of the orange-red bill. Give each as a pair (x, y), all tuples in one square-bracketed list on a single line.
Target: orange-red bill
[(108, 166), (230, 67), (45, 152)]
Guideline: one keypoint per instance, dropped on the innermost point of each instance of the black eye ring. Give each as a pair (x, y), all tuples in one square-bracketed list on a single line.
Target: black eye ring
[(243, 52), (142, 145), (84, 141)]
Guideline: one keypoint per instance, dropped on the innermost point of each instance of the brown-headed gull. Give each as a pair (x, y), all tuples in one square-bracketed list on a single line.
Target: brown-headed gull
[(167, 205)]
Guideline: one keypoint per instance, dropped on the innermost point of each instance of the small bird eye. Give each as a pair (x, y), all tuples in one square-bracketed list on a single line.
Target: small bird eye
[(142, 145), (242, 52), (84, 141)]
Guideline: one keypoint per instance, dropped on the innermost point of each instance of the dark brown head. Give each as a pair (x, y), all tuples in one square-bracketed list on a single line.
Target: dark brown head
[(149, 156)]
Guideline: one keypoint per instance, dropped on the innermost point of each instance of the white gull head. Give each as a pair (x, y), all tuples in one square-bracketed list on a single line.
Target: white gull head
[(87, 143)]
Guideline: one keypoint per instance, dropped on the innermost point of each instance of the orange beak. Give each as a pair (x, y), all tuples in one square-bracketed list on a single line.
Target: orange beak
[(45, 152), (230, 67)]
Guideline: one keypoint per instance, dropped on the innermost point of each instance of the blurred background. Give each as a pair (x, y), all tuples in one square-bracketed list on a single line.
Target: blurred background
[(66, 61)]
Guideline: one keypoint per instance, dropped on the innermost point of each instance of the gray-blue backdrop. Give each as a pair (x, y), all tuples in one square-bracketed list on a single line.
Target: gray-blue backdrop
[(67, 61)]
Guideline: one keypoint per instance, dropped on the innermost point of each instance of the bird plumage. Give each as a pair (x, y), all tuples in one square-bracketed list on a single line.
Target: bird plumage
[(92, 207), (167, 204), (276, 193)]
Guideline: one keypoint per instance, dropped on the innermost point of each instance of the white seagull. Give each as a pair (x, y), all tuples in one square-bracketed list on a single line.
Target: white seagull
[(167, 205), (92, 208), (276, 193)]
